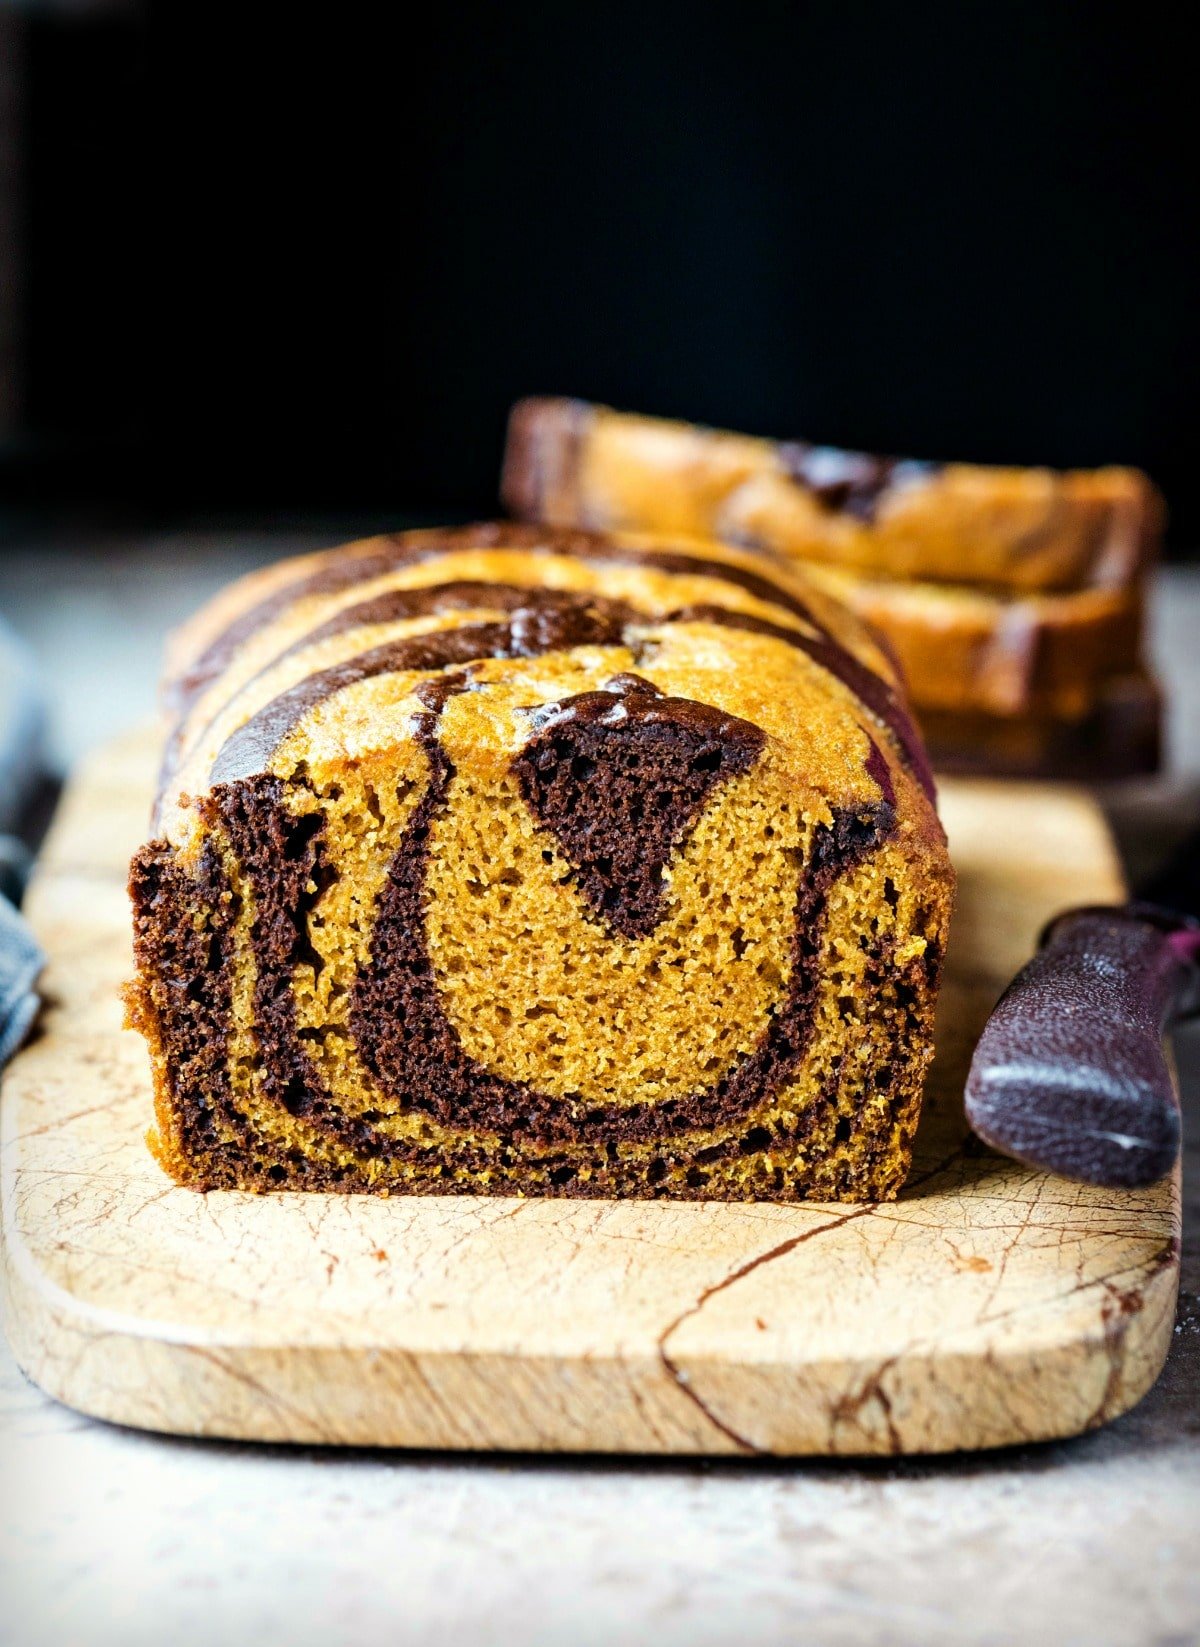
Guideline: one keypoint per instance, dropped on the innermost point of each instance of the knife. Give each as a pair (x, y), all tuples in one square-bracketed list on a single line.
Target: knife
[(1070, 1073)]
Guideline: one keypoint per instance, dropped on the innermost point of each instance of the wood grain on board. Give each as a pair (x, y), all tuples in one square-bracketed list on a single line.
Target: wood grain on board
[(989, 1305)]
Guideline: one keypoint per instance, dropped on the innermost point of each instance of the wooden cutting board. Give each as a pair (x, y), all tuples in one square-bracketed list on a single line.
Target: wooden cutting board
[(989, 1305)]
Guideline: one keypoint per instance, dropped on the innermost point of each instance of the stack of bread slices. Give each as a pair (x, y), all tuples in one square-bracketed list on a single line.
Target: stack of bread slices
[(1013, 599)]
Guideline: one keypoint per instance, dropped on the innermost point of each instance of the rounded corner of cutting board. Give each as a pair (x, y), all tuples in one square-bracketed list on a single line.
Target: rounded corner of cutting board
[(52, 1333)]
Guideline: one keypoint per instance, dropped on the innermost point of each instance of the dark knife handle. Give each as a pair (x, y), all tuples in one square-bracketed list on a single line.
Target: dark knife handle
[(1070, 1072)]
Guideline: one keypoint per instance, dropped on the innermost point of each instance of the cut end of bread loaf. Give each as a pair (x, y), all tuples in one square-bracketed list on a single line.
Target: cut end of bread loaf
[(527, 863)]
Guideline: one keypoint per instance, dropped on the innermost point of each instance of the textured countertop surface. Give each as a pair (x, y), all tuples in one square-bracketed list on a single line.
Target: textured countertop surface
[(112, 1536)]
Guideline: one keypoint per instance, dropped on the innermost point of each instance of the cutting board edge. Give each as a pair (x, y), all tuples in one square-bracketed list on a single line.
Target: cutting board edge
[(67, 1346)]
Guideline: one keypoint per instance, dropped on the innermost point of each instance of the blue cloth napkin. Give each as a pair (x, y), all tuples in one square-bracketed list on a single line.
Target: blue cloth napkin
[(22, 721), (20, 963)]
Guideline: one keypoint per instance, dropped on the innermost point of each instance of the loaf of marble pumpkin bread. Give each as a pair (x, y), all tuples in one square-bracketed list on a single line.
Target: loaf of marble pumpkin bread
[(512, 860)]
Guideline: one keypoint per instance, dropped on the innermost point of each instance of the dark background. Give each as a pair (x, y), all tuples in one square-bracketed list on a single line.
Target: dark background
[(302, 268)]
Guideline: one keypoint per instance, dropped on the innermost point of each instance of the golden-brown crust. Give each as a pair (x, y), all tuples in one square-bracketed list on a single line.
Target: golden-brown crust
[(1119, 738), (269, 632), (973, 651), (570, 463)]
